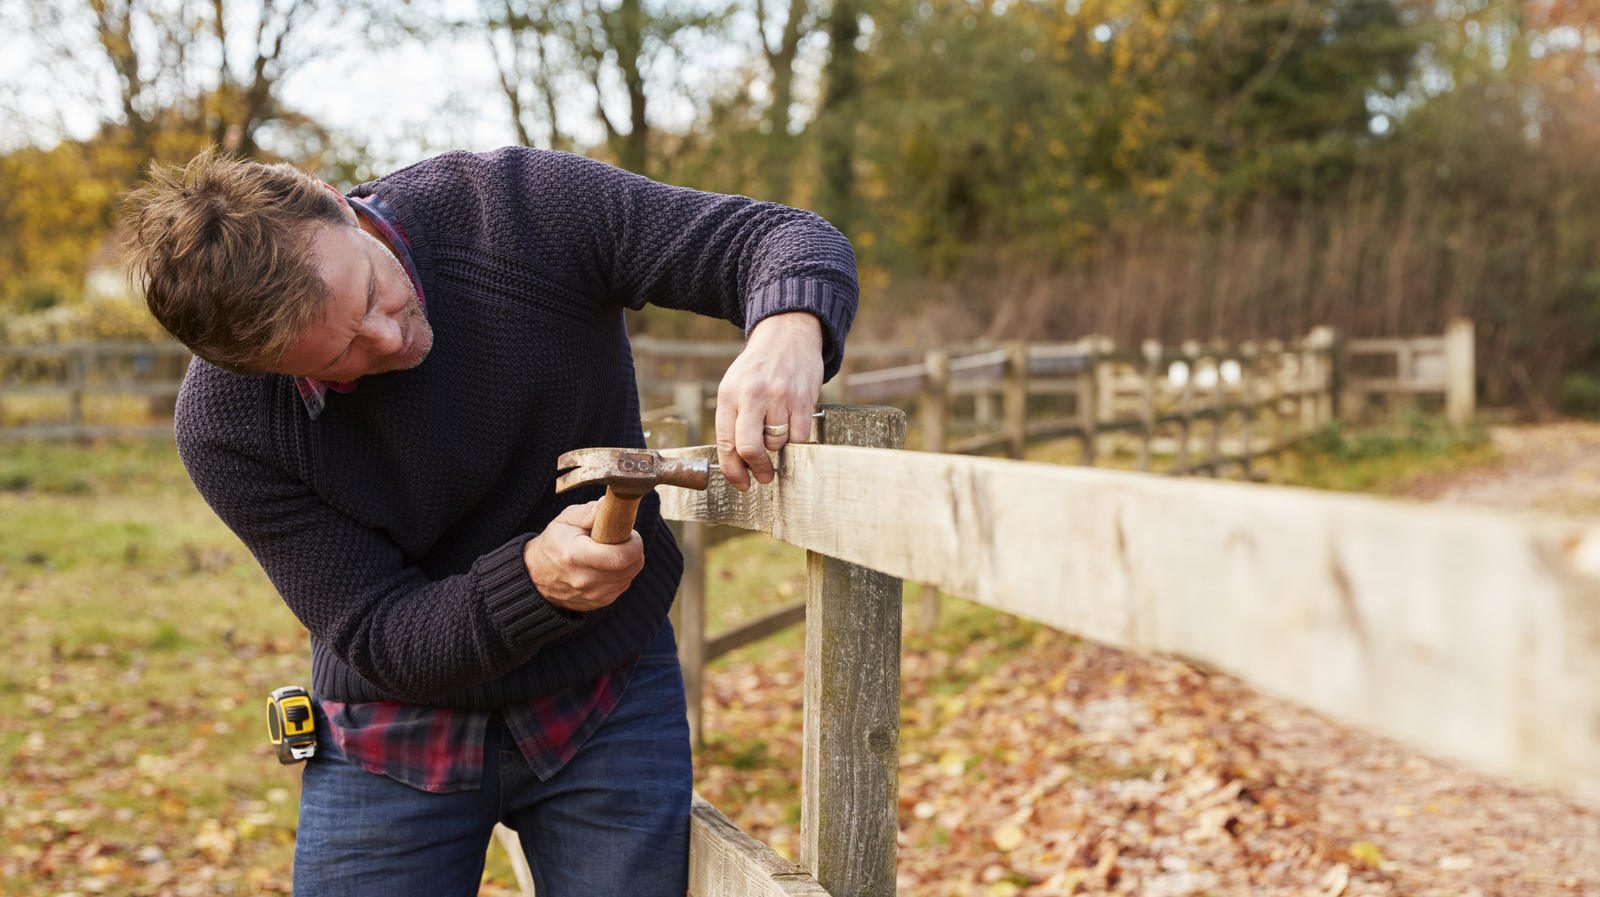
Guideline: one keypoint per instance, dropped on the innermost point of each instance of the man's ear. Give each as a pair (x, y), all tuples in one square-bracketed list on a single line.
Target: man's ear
[(343, 203)]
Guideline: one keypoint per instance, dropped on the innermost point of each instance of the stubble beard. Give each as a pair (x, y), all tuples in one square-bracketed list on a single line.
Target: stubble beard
[(420, 334)]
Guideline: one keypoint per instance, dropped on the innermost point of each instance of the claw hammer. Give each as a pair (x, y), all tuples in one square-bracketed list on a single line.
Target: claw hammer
[(628, 474)]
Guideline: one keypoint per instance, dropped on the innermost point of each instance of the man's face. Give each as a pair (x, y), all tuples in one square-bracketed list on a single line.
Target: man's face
[(372, 321)]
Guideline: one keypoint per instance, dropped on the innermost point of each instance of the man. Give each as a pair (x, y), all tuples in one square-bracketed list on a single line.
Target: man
[(383, 384)]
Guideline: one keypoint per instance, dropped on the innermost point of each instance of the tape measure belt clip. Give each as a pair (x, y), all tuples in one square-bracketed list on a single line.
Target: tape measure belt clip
[(291, 725)]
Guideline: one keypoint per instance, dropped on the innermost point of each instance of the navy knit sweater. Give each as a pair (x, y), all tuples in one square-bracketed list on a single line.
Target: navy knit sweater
[(394, 524)]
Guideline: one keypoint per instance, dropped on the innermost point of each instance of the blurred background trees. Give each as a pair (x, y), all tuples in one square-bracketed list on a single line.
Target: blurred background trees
[(1172, 168)]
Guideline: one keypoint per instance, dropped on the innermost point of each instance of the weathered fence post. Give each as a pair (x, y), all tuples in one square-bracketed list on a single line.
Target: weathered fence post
[(1460, 377), (1325, 344), (1191, 366), (935, 422), (850, 766), (1147, 407), (1016, 398), (936, 400), (1249, 359), (1088, 392), (1219, 411), (689, 402), (77, 361), (1304, 378)]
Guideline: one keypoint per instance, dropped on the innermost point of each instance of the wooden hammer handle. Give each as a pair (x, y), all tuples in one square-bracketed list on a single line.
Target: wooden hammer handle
[(614, 521)]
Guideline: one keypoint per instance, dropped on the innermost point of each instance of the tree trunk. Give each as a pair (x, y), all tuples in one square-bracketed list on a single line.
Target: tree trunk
[(835, 123)]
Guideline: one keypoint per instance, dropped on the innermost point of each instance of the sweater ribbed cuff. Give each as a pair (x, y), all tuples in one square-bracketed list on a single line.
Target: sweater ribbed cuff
[(522, 613), (819, 297)]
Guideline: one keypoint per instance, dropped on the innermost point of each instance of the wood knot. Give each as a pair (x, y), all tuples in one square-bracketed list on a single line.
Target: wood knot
[(880, 741)]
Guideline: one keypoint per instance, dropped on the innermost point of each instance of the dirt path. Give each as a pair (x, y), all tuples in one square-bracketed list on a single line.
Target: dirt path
[(1548, 469)]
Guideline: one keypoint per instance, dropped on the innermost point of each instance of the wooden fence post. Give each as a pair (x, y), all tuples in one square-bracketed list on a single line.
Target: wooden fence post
[(1325, 342), (689, 401), (1147, 407), (935, 423), (77, 369), (1191, 361), (1249, 358), (1088, 392), (1272, 353), (1016, 398), (849, 795), (1305, 376), (1460, 377), (936, 400), (1219, 407)]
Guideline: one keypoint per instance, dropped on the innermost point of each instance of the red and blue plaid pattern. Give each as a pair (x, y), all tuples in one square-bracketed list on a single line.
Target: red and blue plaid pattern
[(440, 749)]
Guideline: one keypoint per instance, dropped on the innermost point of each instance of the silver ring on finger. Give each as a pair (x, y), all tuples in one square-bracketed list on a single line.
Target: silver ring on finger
[(776, 430)]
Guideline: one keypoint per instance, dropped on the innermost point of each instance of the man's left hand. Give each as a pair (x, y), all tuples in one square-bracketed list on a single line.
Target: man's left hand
[(765, 399)]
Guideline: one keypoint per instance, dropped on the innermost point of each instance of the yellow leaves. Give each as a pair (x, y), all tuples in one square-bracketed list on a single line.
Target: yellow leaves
[(254, 825), (1008, 837), (1367, 853), (214, 841), (953, 763)]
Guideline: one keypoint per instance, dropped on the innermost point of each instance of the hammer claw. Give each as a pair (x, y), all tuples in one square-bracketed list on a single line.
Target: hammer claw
[(628, 473)]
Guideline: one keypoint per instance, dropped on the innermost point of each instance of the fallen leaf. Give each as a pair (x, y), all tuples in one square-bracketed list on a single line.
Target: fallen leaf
[(1010, 837)]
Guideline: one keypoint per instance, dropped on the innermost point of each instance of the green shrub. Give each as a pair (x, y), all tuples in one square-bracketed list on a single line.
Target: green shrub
[(1580, 394)]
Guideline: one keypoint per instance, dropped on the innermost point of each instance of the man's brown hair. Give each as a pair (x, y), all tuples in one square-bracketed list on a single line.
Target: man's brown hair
[(221, 248)]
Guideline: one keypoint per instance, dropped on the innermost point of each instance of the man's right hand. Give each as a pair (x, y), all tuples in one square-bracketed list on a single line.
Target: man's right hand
[(573, 571)]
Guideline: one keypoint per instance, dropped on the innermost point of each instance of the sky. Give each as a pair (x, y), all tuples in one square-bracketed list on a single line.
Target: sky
[(403, 102)]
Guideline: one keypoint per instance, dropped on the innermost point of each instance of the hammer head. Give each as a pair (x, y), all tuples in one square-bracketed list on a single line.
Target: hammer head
[(630, 471)]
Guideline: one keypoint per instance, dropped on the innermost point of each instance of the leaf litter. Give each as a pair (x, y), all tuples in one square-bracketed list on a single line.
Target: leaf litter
[(1033, 763)]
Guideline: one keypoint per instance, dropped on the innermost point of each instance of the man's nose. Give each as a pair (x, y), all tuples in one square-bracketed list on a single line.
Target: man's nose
[(385, 335)]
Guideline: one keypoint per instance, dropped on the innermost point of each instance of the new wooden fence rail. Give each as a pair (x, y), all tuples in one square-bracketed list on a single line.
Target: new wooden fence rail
[(1472, 635)]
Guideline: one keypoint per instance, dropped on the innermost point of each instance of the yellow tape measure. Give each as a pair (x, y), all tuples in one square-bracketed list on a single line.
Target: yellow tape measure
[(290, 724)]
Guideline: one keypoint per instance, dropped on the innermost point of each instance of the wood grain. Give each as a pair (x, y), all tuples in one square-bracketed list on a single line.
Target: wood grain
[(850, 762), (726, 862), (1475, 635)]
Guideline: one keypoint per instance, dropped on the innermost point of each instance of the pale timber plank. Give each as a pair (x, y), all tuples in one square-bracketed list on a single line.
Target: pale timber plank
[(1472, 634), (726, 862)]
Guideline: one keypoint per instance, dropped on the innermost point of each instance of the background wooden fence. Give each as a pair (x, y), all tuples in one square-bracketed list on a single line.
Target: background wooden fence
[(975, 398), (1473, 635), (74, 375)]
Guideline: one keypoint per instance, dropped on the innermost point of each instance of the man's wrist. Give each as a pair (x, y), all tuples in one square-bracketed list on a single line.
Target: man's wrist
[(790, 325)]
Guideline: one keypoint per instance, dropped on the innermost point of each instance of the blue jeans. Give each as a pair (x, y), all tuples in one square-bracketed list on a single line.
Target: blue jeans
[(614, 822)]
